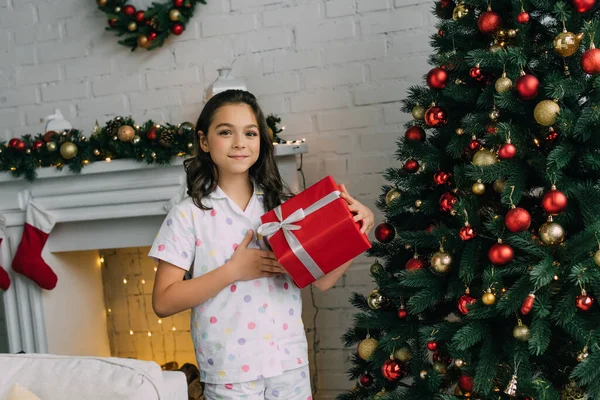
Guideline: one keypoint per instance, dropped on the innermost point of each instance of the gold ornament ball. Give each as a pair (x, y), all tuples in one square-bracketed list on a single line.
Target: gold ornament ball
[(488, 298), (418, 112), (521, 332), (597, 258), (366, 348), (460, 11), (391, 195), (494, 115), (499, 185), (403, 354), (96, 152), (125, 133), (143, 41), (478, 188), (512, 33), (101, 3), (51, 146), (376, 268), (501, 34), (132, 27), (375, 299), (423, 374), (441, 261), (551, 233), (572, 392), (117, 9), (503, 84), (545, 112), (136, 139), (418, 203), (440, 367), (174, 15), (484, 157), (459, 362), (68, 150), (460, 131), (566, 43)]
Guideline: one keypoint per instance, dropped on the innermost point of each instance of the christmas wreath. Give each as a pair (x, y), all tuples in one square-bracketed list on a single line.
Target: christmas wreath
[(149, 28)]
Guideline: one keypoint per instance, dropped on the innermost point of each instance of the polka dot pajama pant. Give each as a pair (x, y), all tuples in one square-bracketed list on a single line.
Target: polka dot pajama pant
[(291, 385)]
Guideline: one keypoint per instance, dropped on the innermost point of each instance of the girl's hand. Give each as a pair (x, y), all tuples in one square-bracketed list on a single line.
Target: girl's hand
[(247, 264), (361, 212)]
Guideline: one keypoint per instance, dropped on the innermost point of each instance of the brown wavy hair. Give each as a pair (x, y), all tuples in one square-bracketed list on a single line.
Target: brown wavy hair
[(202, 173)]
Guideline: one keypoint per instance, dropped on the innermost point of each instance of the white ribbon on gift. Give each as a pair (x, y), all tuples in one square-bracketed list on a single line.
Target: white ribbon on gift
[(287, 226)]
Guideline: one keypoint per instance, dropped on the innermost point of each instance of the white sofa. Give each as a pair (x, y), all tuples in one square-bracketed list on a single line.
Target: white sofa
[(52, 377)]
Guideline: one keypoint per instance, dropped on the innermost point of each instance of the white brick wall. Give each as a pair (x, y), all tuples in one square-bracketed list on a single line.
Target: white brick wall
[(334, 70)]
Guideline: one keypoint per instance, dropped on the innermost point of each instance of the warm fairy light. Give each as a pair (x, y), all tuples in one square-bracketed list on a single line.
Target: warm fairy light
[(101, 260), (149, 333), (86, 161), (155, 269), (109, 310), (124, 281), (143, 281), (174, 328), (130, 332), (160, 321), (107, 159)]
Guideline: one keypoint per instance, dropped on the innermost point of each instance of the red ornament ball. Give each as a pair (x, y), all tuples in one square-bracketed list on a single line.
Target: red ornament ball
[(365, 380), (435, 116), (552, 135), (584, 302), (411, 166), (464, 301), (517, 220), (447, 201), (489, 22), (476, 74), (112, 22), (474, 145), (554, 202), (501, 254), (20, 145), (402, 313), (467, 233), (48, 136), (527, 86), (392, 370), (177, 29), (441, 177), (385, 232), (414, 263), (432, 346), (437, 78), (583, 6), (37, 144), (178, 3), (507, 151), (151, 134), (12, 143), (491, 129), (415, 134), (152, 35), (523, 17), (440, 32), (527, 304), (139, 16), (129, 10), (590, 61), (465, 383)]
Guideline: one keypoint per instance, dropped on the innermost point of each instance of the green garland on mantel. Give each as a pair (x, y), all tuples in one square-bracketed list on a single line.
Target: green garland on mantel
[(119, 138), (149, 28)]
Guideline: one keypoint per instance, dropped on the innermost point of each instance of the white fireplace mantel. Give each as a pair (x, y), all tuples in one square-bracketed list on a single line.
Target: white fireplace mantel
[(108, 205)]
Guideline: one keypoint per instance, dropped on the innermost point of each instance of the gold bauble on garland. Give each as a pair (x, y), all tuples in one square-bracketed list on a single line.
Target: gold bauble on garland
[(484, 157), (488, 298), (503, 84), (551, 232), (68, 150), (125, 133), (375, 299), (572, 392), (418, 112), (143, 41), (366, 348), (391, 195), (597, 257), (460, 11), (403, 354), (441, 262), (521, 332), (174, 15), (51, 146), (376, 268), (567, 43), (545, 112), (499, 185), (440, 367), (478, 188), (132, 27)]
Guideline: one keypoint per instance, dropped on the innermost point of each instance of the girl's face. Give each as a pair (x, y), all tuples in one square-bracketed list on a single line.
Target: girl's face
[(232, 140)]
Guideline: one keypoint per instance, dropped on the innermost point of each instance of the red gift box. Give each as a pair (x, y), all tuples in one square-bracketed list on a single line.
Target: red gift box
[(314, 233)]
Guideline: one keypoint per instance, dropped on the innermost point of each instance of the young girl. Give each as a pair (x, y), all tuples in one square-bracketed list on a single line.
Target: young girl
[(246, 322)]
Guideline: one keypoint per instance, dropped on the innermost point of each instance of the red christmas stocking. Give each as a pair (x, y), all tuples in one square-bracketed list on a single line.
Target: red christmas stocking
[(28, 260), (4, 278)]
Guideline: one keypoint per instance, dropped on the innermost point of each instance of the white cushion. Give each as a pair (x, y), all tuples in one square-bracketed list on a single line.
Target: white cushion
[(176, 387), (18, 392), (54, 377)]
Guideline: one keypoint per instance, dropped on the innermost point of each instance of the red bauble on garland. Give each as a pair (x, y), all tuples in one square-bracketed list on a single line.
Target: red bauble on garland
[(402, 313), (554, 201), (527, 87), (527, 304), (365, 380), (447, 201), (583, 6), (385, 232), (507, 151), (441, 177), (584, 302), (177, 29), (12, 143), (501, 253), (432, 346), (139, 16), (415, 134), (178, 3), (392, 370), (437, 78), (414, 263), (517, 220), (552, 135), (523, 17), (467, 232), (590, 60), (48, 136), (152, 134), (435, 116), (465, 382), (37, 144), (474, 144), (152, 35), (489, 22), (129, 10), (464, 301), (112, 22), (476, 74), (411, 166)]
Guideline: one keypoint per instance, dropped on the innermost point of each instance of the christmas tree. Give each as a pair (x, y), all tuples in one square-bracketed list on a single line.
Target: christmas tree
[(488, 262)]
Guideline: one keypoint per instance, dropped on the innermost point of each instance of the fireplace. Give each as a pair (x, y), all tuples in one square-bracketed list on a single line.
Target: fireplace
[(111, 207)]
